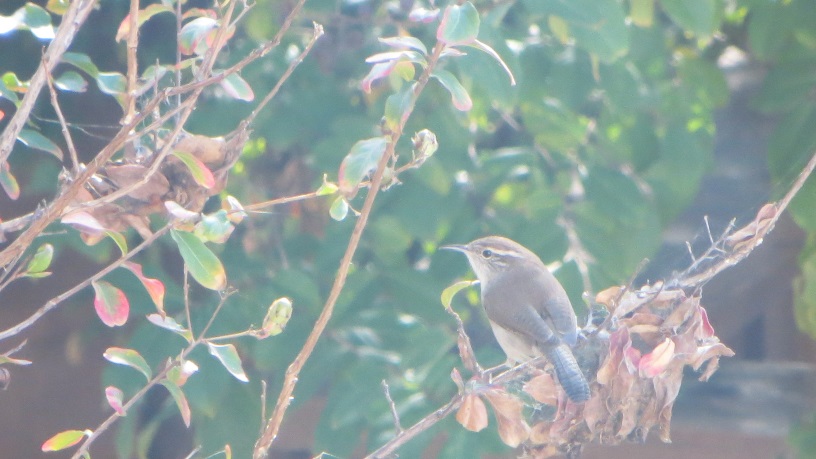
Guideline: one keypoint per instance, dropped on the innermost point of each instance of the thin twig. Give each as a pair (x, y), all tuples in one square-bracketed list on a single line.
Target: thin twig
[(132, 62), (293, 372), (187, 298), (83, 450), (57, 300), (72, 20), (393, 406), (66, 134)]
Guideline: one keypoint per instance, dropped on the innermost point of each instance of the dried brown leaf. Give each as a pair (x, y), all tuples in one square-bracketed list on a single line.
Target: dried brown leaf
[(513, 429), (543, 389), (472, 413)]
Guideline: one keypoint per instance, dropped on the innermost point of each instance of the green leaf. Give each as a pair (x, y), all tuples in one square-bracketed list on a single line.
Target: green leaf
[(34, 139), (119, 240), (200, 172), (13, 83), (41, 259), (327, 188), (642, 12), (228, 356), (203, 265), (111, 83), (452, 290), (237, 88), (398, 106), (360, 161), (215, 227), (701, 17), (65, 439), (180, 399), (58, 7), (169, 323), (405, 42), (36, 19), (130, 358), (71, 81), (492, 53), (459, 25), (111, 304), (82, 62), (459, 95), (339, 209), (277, 316)]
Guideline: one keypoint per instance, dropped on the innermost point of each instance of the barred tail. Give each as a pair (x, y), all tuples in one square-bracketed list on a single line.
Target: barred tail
[(569, 374)]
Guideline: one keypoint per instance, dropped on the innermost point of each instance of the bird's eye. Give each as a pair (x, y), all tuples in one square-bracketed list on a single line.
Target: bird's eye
[(487, 253)]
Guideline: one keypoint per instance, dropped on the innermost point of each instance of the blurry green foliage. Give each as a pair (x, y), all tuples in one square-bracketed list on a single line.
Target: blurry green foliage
[(610, 128)]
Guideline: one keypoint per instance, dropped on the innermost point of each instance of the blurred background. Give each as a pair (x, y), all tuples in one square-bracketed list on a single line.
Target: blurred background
[(631, 121)]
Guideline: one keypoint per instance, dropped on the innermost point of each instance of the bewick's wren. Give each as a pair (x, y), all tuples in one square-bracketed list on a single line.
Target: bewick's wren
[(528, 309)]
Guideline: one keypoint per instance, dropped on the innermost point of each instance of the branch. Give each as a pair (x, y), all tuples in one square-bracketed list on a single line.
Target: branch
[(54, 302), (292, 373), (83, 450), (71, 21)]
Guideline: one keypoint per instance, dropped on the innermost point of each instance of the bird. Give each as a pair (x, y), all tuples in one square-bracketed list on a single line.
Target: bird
[(528, 310)]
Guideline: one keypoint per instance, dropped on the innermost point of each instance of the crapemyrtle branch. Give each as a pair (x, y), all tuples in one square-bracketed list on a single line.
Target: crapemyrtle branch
[(66, 134), (54, 302), (393, 406), (292, 373), (108, 422)]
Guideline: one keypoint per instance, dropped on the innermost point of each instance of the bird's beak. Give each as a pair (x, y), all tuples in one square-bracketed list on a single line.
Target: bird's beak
[(456, 247)]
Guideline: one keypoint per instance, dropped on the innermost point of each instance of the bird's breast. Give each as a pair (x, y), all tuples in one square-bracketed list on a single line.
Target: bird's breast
[(517, 347)]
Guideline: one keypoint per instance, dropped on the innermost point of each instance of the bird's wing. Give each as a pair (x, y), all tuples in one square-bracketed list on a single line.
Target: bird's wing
[(546, 312)]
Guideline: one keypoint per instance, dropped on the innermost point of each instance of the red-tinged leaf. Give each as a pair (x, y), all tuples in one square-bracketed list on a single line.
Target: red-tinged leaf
[(237, 88), (460, 97), (169, 323), (653, 363), (194, 36), (180, 373), (2, 115), (154, 287), (377, 72), (459, 25), (128, 357), (142, 17), (180, 399), (200, 172), (492, 53), (8, 182), (228, 356), (203, 265), (227, 452), (472, 414), (41, 259), (115, 396), (111, 304), (705, 326), (423, 15), (37, 141), (398, 106), (360, 161), (84, 222), (71, 81), (405, 42), (65, 439)]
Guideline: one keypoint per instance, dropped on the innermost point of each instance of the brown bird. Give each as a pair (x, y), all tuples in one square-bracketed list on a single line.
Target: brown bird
[(527, 308)]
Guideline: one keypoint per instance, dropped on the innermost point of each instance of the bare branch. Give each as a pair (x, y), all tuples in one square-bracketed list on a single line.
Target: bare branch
[(393, 407)]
